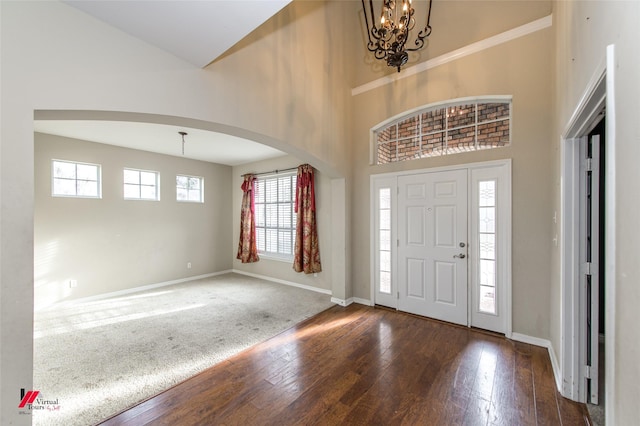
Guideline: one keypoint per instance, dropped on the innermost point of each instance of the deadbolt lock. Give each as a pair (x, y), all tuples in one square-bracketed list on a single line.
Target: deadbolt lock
[(462, 244)]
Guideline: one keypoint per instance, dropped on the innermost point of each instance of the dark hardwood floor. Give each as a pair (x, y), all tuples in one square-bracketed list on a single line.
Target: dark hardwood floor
[(367, 366)]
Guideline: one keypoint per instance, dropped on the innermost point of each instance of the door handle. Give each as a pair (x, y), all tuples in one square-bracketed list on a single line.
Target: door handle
[(461, 255)]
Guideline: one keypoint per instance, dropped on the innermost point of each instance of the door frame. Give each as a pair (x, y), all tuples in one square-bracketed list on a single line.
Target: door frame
[(599, 94), (505, 271)]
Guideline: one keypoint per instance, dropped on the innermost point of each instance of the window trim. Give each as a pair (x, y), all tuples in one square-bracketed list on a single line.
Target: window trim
[(76, 163), (282, 257), (140, 185), (201, 178), (373, 143)]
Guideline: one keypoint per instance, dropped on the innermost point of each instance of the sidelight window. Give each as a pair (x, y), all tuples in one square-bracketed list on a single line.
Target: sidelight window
[(487, 245), (384, 245)]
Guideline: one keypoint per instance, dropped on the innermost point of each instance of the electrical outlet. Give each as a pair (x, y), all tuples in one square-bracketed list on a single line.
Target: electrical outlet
[(188, 265), (73, 283)]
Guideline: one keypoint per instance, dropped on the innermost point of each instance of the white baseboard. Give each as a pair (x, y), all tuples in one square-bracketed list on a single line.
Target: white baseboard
[(351, 300), (279, 281), (556, 367), (342, 302), (128, 291), (360, 301), (524, 338), (552, 354)]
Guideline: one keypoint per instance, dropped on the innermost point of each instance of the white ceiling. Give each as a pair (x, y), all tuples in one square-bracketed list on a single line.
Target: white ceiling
[(197, 31), (164, 139)]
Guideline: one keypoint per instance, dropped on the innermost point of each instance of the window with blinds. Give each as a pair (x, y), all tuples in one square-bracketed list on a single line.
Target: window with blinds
[(274, 200)]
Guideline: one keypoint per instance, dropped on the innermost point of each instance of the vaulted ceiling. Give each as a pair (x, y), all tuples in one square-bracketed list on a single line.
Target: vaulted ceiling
[(195, 31)]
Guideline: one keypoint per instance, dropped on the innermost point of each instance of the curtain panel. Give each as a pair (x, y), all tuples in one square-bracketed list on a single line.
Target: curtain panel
[(306, 250), (247, 247)]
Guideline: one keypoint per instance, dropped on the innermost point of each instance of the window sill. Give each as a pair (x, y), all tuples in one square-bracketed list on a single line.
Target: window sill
[(266, 256)]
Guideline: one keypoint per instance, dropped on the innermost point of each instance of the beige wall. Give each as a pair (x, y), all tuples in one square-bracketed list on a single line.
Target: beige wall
[(288, 85), (521, 68), (455, 24), (286, 79), (583, 31), (112, 244), (276, 268), (284, 91)]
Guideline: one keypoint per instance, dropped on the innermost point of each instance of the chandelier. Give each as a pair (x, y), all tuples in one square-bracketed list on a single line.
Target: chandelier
[(388, 40)]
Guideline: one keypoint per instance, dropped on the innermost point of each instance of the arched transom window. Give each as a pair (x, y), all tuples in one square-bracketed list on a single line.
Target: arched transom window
[(445, 128)]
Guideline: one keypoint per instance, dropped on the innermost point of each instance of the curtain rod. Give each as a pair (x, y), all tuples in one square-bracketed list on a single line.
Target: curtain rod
[(271, 172)]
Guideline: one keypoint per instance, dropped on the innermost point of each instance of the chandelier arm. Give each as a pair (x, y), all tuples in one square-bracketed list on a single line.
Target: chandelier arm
[(419, 44), (425, 32), (380, 54), (373, 48), (373, 25), (366, 20), (429, 19)]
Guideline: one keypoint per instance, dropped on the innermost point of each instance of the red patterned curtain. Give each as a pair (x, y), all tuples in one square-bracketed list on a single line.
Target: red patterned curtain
[(247, 248), (306, 251)]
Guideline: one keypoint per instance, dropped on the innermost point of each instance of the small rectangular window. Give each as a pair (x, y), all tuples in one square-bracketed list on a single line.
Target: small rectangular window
[(274, 201), (190, 189), (72, 179), (141, 185)]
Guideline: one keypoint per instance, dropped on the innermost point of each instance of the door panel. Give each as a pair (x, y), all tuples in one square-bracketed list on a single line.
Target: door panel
[(415, 272), (415, 226), (445, 276), (432, 222), (444, 226)]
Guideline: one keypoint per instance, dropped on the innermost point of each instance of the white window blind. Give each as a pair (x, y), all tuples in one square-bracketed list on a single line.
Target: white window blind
[(274, 200)]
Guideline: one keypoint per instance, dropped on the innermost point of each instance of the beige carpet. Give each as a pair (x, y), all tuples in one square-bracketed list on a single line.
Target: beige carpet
[(98, 358)]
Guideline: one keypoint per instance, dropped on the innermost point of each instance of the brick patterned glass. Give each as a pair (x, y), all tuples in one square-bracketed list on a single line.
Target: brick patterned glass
[(445, 130)]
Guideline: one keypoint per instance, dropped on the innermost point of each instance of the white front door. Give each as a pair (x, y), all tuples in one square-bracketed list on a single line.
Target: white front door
[(432, 245)]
